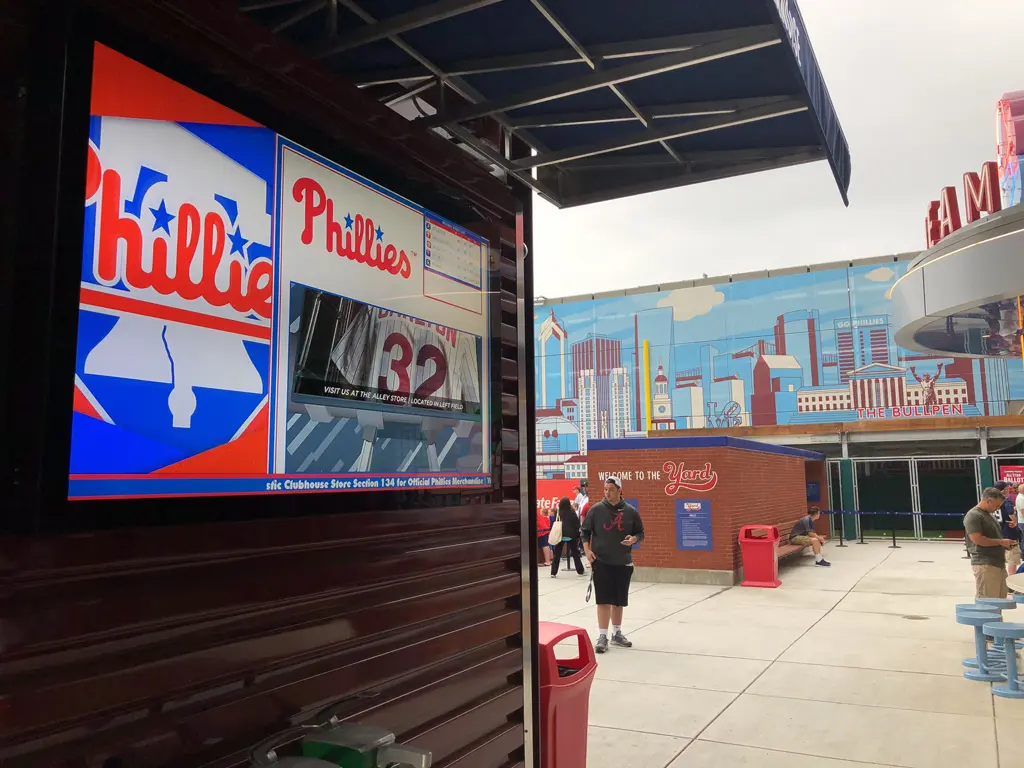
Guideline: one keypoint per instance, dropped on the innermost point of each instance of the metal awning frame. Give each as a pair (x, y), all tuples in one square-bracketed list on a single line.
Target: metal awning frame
[(657, 126), (601, 53)]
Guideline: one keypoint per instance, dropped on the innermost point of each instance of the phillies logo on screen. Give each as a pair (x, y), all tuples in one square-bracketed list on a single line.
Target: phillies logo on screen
[(703, 479), (187, 251), (172, 361), (355, 238)]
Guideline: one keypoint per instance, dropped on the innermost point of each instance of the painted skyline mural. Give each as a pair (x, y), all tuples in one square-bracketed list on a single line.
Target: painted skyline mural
[(810, 347)]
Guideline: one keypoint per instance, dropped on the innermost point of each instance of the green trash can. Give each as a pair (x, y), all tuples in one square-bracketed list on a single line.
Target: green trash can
[(346, 745), (339, 745), (265, 754), (350, 745)]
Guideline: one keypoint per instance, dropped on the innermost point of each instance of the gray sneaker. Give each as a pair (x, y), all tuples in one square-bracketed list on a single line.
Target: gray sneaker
[(621, 640), (602, 644)]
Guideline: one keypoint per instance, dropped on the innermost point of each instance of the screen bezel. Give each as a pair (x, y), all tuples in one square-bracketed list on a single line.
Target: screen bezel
[(52, 508)]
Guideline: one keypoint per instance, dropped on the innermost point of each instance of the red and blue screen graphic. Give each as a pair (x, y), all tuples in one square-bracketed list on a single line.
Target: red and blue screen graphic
[(173, 365)]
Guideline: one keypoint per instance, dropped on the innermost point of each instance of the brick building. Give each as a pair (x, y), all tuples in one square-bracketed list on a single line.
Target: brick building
[(694, 493)]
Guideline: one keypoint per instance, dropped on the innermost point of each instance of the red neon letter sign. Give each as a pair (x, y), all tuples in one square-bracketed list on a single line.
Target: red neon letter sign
[(949, 212), (932, 227), (981, 194)]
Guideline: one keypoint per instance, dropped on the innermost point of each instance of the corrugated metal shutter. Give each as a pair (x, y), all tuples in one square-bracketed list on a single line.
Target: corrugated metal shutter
[(185, 646)]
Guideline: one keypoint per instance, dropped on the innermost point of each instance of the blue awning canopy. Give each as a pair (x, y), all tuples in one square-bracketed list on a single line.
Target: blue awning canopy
[(613, 98)]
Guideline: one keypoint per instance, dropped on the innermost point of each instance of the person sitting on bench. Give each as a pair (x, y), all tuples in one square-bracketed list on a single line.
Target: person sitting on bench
[(804, 535)]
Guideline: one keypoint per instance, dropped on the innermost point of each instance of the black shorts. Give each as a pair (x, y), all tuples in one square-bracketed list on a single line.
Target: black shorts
[(611, 583)]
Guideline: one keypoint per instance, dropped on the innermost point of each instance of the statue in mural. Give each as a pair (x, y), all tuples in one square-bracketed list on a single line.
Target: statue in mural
[(928, 384), (729, 416)]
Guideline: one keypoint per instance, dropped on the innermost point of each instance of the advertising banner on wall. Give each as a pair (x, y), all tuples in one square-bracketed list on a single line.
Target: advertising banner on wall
[(1013, 475), (255, 318), (550, 492)]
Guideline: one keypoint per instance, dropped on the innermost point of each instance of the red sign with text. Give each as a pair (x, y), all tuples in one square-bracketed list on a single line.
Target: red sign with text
[(1013, 475), (981, 195), (681, 478), (549, 492)]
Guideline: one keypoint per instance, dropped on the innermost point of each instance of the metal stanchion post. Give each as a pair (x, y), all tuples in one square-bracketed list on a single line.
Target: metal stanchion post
[(860, 524), (842, 527), (894, 545), (967, 551)]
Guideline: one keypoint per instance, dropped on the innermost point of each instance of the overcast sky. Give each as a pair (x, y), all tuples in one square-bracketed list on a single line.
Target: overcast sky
[(915, 83)]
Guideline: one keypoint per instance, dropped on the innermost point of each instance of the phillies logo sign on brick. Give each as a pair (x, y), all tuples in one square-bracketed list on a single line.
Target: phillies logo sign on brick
[(703, 479)]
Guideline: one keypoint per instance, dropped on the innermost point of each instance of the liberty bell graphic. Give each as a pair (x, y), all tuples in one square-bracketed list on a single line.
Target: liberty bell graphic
[(184, 356)]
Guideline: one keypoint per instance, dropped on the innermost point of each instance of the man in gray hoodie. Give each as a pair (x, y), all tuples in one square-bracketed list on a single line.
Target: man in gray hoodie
[(610, 530)]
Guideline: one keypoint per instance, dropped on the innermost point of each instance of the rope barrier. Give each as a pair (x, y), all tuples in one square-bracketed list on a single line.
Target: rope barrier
[(890, 513)]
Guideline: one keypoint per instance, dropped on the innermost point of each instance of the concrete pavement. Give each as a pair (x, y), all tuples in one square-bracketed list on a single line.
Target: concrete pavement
[(853, 665)]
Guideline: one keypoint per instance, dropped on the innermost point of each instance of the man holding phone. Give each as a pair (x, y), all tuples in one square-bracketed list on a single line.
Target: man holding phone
[(610, 530), (986, 545)]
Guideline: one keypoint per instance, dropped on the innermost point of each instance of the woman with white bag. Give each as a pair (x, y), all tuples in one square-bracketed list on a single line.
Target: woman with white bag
[(565, 532)]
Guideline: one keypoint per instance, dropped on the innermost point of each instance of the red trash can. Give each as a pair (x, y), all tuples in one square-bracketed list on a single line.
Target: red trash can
[(760, 546), (564, 696)]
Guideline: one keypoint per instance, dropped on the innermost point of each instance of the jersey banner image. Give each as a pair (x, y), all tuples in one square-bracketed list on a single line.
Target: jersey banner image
[(243, 331), (353, 351)]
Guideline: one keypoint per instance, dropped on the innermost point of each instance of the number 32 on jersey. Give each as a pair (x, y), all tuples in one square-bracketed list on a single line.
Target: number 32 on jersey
[(417, 359)]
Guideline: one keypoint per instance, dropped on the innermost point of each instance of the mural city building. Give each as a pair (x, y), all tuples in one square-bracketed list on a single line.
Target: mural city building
[(813, 345)]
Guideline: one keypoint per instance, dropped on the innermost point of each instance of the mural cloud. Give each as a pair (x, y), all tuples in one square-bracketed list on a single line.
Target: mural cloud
[(880, 275), (688, 303)]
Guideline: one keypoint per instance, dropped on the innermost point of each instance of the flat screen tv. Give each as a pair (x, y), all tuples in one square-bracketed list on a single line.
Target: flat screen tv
[(256, 319)]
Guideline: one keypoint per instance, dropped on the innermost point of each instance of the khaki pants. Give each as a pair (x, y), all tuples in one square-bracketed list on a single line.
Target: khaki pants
[(989, 581), (1013, 557)]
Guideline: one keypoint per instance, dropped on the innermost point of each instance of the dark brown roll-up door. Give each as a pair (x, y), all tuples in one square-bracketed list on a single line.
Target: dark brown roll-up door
[(184, 646)]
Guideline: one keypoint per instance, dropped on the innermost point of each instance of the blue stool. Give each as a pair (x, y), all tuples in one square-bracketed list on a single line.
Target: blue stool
[(1002, 603), (1009, 634), (976, 606), (987, 671), (994, 605), (993, 656)]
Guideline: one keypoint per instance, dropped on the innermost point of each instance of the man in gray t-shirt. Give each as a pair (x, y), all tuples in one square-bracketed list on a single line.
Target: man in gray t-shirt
[(986, 545)]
